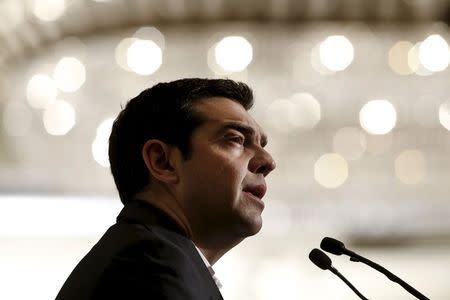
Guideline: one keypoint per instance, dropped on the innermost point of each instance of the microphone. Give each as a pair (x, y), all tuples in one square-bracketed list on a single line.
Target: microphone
[(320, 259), (338, 248)]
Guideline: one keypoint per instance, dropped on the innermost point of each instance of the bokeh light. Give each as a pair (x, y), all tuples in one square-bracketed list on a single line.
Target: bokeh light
[(378, 116), (331, 170), (398, 58), (434, 53), (100, 152), (414, 61), (350, 142), (41, 90), (300, 111), (444, 114), (17, 119), (121, 52), (104, 129), (144, 57), (49, 10), (336, 52), (101, 142), (277, 115), (233, 53), (151, 34), (59, 117), (316, 62), (413, 57), (410, 166), (306, 111), (69, 74)]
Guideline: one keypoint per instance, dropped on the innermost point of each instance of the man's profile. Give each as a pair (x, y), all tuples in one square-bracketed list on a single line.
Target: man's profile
[(189, 163)]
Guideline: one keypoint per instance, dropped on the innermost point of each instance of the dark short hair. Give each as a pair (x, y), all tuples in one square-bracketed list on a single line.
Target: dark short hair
[(165, 112)]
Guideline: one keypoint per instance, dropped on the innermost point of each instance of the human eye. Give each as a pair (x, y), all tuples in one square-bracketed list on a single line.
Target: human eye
[(235, 138)]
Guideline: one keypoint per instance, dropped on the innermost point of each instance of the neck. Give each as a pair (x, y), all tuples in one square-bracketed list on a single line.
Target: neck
[(214, 253), (168, 204), (212, 247)]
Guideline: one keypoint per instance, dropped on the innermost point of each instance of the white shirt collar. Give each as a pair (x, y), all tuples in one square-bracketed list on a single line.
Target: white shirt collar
[(210, 269)]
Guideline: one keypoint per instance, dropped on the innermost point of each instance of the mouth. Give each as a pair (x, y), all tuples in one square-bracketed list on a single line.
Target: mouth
[(257, 191)]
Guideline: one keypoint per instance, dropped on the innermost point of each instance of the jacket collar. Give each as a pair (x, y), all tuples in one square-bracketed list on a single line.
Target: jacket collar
[(139, 211)]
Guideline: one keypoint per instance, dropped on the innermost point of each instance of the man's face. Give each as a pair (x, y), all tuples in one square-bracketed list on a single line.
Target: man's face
[(222, 183)]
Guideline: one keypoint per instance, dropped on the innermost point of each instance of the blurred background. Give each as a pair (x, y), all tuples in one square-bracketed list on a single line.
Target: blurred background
[(354, 96)]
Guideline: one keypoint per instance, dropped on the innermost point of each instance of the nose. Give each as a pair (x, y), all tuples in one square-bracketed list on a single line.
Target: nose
[(262, 162)]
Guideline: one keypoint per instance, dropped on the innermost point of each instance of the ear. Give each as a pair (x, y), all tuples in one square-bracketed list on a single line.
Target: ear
[(159, 159)]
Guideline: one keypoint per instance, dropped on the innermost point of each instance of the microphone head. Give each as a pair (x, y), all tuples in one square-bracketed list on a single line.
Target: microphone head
[(320, 259), (332, 246)]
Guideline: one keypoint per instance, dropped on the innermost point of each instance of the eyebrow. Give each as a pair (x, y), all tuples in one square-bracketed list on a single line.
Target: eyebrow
[(245, 130)]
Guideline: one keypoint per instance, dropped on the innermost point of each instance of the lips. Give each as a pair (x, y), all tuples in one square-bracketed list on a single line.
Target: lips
[(258, 190)]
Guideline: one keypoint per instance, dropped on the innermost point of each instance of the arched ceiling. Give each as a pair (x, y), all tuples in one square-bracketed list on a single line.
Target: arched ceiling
[(22, 32)]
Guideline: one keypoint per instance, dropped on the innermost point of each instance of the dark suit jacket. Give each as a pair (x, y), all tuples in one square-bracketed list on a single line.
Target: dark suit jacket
[(145, 255)]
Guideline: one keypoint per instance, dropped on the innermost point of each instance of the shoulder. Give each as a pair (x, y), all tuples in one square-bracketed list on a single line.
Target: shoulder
[(153, 261), (137, 259)]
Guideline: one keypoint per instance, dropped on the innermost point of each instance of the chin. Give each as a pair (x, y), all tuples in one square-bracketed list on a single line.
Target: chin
[(252, 227), (254, 232)]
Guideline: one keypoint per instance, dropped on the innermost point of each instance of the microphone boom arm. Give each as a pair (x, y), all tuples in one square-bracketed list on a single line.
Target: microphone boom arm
[(358, 258)]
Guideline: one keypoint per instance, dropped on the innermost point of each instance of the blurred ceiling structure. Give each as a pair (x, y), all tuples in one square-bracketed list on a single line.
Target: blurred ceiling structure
[(21, 32), (398, 175)]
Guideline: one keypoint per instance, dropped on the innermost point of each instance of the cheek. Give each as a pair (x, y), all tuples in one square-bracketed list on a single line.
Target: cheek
[(230, 163), (232, 170), (221, 179), (218, 171)]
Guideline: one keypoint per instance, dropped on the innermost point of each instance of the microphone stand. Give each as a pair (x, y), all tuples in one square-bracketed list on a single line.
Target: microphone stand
[(338, 274), (358, 258), (322, 260)]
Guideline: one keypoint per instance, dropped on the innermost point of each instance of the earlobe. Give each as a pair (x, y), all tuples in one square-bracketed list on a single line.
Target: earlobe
[(156, 155)]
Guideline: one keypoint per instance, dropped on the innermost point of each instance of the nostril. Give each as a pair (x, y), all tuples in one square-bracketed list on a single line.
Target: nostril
[(266, 168)]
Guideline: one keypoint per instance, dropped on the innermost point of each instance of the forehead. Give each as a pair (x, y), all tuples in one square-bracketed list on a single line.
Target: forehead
[(219, 110)]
